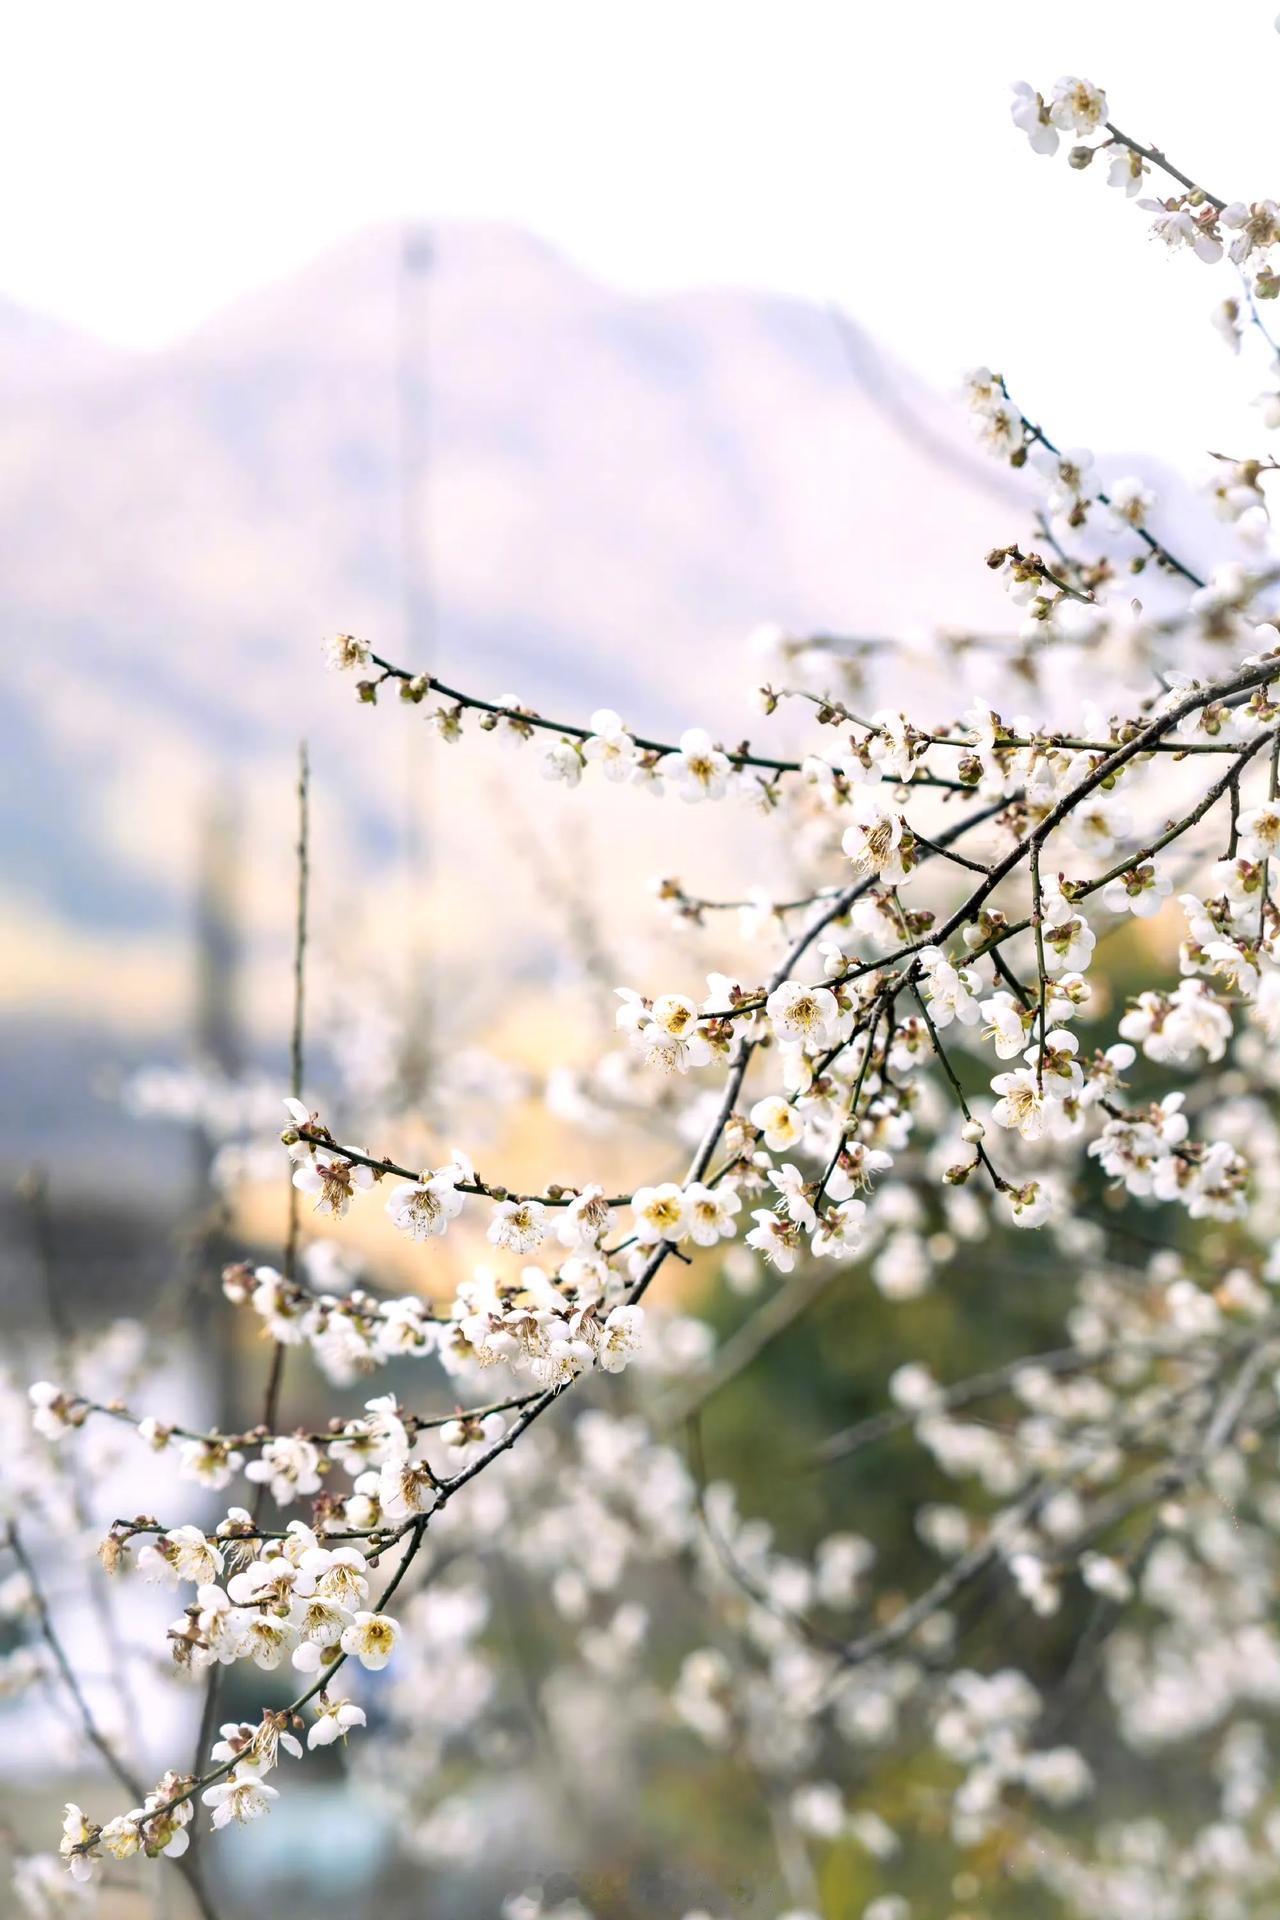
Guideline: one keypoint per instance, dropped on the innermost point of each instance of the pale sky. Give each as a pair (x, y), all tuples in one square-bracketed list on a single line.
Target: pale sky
[(162, 159)]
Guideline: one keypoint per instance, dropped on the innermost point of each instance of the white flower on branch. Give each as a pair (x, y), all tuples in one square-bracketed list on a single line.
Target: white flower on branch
[(1126, 171), (257, 1747), (1172, 1028), (51, 1409), (1256, 227), (212, 1462), (611, 747), (371, 1639), (779, 1121), (242, 1796), (878, 841), (1056, 1064), (280, 1305), (1225, 320), (711, 1212), (796, 1196), (618, 1340), (777, 1239), (346, 654), (289, 1466), (406, 1488), (659, 1213), (1142, 891), (78, 1833), (425, 1209), (1006, 1024), (586, 1220), (1022, 1102), (181, 1554), (1099, 822), (1178, 227), (1260, 832), (807, 1016), (562, 762), (1068, 938), (518, 1226), (335, 1720), (949, 989), (700, 770), (1077, 106), (841, 1229), (1031, 114), (335, 1180)]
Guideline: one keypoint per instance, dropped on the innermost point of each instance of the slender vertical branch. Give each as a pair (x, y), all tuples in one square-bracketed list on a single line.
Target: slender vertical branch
[(275, 1374), (62, 1327), (275, 1377), (93, 1732), (1037, 922)]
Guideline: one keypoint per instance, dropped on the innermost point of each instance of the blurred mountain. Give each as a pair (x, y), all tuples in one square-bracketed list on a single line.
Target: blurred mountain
[(616, 491)]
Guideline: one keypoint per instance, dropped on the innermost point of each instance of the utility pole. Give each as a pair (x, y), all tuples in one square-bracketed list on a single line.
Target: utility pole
[(418, 613), (219, 1050)]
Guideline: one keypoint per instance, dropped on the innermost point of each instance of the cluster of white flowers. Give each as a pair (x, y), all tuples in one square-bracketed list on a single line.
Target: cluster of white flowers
[(932, 1054)]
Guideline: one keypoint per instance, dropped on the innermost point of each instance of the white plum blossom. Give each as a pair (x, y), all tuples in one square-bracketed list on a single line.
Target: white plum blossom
[(333, 1179), (288, 1466), (1031, 114), (77, 1833), (1077, 106), (425, 1208), (808, 1016), (1022, 1102), (841, 1229), (335, 1720), (611, 747), (1141, 890), (775, 1238), (659, 1213), (711, 1212), (562, 762), (1005, 1025), (619, 1338), (242, 1796), (51, 1409), (518, 1226), (949, 990), (795, 1194), (586, 1220), (181, 1554), (779, 1121), (1130, 502), (371, 1639), (700, 770), (877, 841), (345, 653), (1078, 1430)]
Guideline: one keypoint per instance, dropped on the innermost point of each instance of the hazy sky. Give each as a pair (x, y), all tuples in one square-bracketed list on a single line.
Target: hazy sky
[(161, 159)]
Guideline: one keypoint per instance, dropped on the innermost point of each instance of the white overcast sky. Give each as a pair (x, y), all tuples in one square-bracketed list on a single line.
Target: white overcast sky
[(161, 159)]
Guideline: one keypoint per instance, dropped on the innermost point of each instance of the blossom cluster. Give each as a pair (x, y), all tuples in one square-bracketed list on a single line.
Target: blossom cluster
[(927, 1045)]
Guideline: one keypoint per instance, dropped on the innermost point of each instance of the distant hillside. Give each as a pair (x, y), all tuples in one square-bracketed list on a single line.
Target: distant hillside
[(617, 491)]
